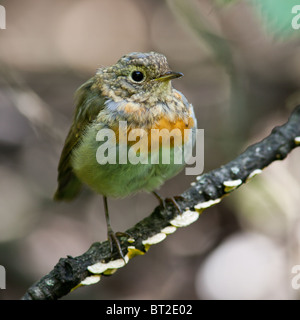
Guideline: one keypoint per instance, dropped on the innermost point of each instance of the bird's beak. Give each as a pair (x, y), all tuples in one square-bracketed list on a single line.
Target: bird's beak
[(169, 76)]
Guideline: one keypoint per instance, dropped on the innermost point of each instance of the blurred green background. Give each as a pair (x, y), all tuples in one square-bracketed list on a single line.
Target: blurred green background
[(241, 61)]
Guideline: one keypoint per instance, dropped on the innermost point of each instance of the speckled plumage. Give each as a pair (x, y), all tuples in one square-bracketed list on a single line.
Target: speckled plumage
[(106, 99)]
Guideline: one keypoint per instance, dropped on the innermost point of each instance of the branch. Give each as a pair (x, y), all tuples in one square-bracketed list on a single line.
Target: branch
[(208, 190)]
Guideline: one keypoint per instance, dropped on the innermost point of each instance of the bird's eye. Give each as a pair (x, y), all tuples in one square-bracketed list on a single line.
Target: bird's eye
[(137, 76)]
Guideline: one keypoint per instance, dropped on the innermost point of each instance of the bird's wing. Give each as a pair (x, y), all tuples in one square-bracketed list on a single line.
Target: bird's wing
[(89, 102)]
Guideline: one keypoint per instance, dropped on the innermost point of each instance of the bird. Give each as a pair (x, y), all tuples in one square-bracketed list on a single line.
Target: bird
[(136, 91)]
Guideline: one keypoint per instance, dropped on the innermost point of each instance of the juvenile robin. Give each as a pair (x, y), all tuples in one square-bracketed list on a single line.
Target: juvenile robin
[(137, 91)]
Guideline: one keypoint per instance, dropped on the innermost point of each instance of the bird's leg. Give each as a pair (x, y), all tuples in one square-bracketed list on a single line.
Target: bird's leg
[(171, 199), (162, 202), (113, 237)]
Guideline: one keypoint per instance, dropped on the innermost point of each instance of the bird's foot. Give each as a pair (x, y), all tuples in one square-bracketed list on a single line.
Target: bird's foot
[(173, 200), (114, 240), (163, 202)]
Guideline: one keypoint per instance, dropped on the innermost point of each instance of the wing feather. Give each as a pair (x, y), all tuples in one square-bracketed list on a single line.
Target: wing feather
[(89, 103)]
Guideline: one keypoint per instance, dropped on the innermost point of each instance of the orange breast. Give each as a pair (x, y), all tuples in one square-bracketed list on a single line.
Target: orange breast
[(164, 133), (167, 130)]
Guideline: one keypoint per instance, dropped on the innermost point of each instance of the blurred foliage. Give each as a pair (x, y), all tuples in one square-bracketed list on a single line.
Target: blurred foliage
[(277, 16), (206, 31), (241, 64), (225, 2)]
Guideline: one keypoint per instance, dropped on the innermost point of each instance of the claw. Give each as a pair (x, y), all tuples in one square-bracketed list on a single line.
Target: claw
[(171, 199), (113, 239)]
